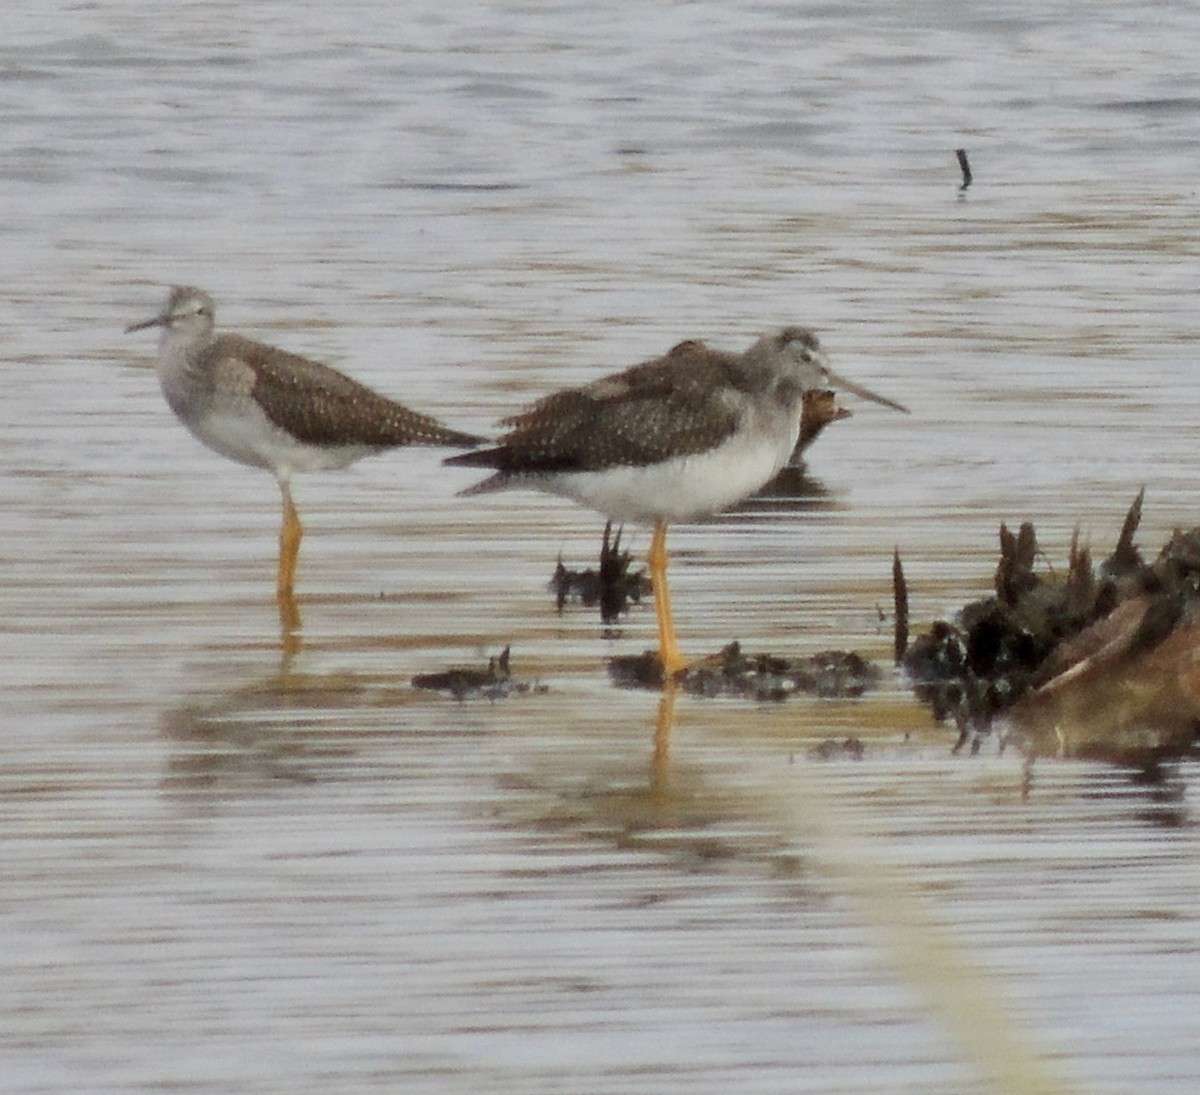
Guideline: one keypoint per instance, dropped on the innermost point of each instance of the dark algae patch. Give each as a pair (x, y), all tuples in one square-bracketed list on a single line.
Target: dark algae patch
[(1088, 660)]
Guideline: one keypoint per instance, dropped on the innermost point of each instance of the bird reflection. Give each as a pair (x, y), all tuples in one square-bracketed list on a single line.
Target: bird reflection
[(264, 732)]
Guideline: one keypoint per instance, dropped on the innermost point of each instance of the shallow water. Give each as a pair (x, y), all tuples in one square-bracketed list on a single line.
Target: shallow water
[(227, 868)]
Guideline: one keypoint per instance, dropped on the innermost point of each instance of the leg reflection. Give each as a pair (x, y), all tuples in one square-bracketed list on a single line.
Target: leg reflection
[(289, 626), (664, 723)]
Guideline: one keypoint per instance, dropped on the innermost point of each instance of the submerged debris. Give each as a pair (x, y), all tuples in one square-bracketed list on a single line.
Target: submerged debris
[(1098, 662), (495, 682), (819, 409), (851, 748), (833, 674), (613, 586)]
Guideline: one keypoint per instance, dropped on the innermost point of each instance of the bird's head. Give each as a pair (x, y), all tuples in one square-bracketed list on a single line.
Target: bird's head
[(188, 312), (796, 352)]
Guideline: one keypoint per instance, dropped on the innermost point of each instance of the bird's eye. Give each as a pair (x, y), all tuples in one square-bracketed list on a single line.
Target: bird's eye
[(801, 343)]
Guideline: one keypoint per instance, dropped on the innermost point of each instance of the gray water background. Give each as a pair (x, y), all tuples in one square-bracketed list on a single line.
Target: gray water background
[(227, 870)]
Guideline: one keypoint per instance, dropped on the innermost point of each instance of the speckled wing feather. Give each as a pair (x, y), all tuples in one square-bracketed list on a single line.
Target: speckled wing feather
[(682, 403), (321, 406)]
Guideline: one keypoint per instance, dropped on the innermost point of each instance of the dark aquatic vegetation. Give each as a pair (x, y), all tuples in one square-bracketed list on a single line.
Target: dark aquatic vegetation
[(613, 585), (491, 682), (831, 674), (850, 748), (1098, 663)]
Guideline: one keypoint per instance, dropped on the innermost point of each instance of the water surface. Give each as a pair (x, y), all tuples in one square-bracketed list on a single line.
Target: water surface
[(227, 868)]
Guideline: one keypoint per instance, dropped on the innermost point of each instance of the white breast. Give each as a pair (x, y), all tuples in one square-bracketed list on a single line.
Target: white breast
[(681, 488), (246, 435), (225, 417)]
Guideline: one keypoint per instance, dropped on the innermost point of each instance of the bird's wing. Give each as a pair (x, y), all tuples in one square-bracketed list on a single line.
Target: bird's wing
[(321, 406), (676, 405)]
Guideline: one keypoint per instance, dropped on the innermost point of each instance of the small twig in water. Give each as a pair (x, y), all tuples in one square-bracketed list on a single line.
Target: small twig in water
[(961, 153), (900, 599)]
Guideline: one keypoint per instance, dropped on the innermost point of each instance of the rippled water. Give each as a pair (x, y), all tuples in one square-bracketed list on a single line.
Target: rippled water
[(230, 868)]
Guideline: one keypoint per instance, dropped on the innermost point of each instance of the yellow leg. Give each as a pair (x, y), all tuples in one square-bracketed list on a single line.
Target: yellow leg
[(289, 546), (668, 646)]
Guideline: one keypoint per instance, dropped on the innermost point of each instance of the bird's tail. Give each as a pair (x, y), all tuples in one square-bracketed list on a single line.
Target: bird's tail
[(485, 486)]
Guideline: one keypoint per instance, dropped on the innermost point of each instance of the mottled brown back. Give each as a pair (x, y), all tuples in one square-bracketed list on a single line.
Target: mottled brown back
[(321, 406), (685, 402)]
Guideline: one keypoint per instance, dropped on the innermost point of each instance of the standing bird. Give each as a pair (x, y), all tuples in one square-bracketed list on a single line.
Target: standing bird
[(671, 439), (270, 409)]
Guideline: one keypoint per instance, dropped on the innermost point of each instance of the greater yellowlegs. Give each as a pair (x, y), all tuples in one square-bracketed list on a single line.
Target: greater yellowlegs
[(271, 409), (671, 439)]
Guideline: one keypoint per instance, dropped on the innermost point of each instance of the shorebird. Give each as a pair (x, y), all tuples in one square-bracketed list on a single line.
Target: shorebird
[(668, 440), (265, 407)]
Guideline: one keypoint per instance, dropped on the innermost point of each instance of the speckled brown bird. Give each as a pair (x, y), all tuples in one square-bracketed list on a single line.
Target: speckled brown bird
[(271, 409), (671, 439)]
